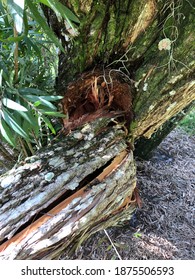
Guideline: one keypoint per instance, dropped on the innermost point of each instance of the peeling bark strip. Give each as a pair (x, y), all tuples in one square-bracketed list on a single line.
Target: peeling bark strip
[(91, 171)]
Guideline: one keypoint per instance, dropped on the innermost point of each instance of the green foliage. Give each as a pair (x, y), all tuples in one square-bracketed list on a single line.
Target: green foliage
[(188, 123), (28, 67), (41, 21), (137, 234)]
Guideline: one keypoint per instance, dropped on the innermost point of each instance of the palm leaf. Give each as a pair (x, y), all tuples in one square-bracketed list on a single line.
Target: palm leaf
[(60, 9), (13, 105), (12, 123), (7, 133), (42, 22)]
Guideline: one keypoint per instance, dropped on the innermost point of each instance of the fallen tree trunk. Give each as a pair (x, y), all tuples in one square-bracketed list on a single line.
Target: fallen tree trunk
[(78, 186)]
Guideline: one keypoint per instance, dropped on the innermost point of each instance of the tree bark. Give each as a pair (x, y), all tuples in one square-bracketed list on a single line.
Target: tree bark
[(58, 198), (131, 67), (128, 37), (144, 147)]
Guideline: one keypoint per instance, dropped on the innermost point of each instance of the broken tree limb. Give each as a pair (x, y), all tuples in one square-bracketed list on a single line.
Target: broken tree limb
[(70, 190)]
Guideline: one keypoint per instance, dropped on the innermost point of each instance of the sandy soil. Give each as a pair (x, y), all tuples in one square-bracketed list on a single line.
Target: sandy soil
[(164, 228)]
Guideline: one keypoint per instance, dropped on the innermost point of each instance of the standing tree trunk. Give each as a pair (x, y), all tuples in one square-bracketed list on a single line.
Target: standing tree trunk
[(151, 42), (131, 67)]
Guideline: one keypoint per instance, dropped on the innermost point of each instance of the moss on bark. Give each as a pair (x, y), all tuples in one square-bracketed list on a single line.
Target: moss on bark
[(126, 36)]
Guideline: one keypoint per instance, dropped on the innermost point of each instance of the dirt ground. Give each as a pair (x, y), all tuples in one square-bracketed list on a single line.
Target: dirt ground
[(164, 228)]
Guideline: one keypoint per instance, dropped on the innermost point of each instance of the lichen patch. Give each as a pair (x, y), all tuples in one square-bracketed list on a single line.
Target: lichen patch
[(56, 161), (49, 176)]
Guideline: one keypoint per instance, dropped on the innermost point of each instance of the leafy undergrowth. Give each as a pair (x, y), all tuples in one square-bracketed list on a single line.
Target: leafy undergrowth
[(188, 123), (164, 227)]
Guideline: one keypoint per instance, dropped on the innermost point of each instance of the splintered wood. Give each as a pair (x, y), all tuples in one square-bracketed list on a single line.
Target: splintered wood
[(80, 193), (94, 178), (97, 94)]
